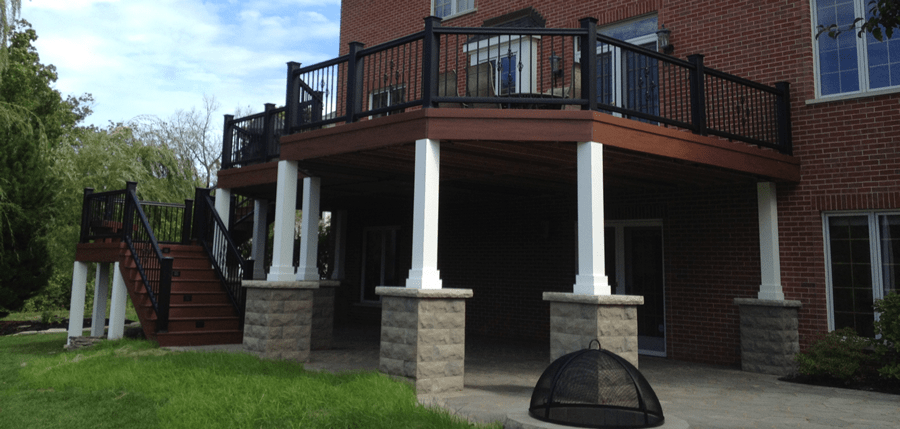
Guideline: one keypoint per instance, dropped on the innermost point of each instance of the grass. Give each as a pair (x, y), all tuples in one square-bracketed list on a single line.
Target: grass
[(135, 384)]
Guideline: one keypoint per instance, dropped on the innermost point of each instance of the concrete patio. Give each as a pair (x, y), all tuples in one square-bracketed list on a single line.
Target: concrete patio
[(500, 375)]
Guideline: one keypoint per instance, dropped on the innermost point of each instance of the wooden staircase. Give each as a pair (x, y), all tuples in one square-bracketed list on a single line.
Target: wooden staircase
[(200, 312)]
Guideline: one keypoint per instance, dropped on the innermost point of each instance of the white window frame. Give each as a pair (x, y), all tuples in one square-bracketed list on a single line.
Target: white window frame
[(389, 90), (874, 253), (862, 57), (393, 231), (618, 78), (455, 8), (524, 48)]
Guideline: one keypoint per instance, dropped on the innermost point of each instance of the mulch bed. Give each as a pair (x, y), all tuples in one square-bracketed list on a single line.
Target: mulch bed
[(14, 327), (871, 383)]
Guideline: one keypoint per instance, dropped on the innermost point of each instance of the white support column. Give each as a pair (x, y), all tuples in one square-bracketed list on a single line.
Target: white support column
[(223, 204), (76, 303), (769, 257), (309, 230), (424, 273), (591, 278), (117, 305), (260, 234), (101, 291), (282, 268), (339, 232)]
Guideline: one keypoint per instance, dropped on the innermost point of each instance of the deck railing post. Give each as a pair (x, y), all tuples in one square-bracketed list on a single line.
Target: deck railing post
[(86, 215), (783, 113), (431, 47), (698, 95), (268, 133), (128, 210), (227, 141), (354, 81), (589, 64), (187, 221), (164, 294), (292, 98)]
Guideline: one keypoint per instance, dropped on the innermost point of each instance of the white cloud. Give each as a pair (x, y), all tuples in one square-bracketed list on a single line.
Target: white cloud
[(156, 56)]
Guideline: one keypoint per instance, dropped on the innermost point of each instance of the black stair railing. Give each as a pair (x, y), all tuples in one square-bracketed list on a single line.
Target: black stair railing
[(154, 268), (142, 225), (213, 236)]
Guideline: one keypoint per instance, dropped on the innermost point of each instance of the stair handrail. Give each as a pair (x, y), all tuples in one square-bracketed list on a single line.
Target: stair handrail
[(154, 268), (213, 236)]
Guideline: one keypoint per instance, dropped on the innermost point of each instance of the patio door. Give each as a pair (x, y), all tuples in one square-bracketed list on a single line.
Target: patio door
[(634, 265)]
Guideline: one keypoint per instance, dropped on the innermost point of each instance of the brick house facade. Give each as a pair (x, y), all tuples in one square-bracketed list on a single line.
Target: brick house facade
[(511, 242)]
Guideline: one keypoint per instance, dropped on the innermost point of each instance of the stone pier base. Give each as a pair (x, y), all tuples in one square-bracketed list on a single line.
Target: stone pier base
[(323, 315), (769, 335), (576, 320), (423, 336), (278, 318)]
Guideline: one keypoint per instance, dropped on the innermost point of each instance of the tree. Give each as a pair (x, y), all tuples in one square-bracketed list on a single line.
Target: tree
[(33, 119), (191, 134), (883, 19), (102, 159), (8, 13)]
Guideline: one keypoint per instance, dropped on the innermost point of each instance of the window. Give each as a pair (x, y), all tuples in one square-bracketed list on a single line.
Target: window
[(862, 252), (387, 97), (445, 8), (851, 64), (379, 264), (517, 56), (628, 79)]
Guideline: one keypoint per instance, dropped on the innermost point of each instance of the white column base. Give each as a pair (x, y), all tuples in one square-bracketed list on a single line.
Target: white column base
[(101, 292), (76, 303), (592, 285), (117, 305), (771, 292), (424, 279)]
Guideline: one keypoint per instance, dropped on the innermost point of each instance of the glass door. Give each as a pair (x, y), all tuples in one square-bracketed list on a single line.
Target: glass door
[(634, 265)]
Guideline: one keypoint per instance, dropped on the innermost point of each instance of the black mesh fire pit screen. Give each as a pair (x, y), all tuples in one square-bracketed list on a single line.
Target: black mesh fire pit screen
[(597, 389)]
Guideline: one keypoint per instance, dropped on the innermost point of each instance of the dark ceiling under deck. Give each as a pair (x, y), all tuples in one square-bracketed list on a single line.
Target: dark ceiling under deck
[(510, 151)]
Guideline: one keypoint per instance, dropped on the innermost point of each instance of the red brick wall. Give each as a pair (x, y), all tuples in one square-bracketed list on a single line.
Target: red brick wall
[(849, 152)]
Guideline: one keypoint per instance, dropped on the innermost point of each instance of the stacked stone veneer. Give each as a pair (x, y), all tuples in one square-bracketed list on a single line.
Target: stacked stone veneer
[(769, 335), (423, 335), (279, 318), (576, 320), (323, 315)]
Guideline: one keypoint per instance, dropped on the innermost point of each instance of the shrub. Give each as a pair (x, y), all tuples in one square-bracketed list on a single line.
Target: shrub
[(838, 355), (888, 325)]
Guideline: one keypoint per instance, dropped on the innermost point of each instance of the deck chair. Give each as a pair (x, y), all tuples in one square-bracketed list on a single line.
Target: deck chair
[(448, 86), (480, 83)]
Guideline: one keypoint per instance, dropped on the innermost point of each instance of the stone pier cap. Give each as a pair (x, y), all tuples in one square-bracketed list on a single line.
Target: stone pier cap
[(768, 302), (406, 292), (594, 299), (298, 284)]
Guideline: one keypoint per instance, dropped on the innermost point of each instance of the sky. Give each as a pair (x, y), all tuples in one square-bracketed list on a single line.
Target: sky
[(154, 57)]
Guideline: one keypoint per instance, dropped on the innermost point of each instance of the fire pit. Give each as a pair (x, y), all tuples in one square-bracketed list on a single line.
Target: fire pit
[(597, 389)]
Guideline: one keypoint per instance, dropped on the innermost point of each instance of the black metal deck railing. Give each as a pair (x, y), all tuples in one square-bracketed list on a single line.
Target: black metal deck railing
[(144, 225), (212, 234), (544, 68)]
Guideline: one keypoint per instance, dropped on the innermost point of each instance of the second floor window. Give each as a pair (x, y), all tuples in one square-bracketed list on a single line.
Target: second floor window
[(445, 8), (850, 64)]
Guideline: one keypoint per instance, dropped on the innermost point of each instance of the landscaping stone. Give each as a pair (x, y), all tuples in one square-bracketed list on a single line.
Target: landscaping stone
[(423, 336), (769, 335)]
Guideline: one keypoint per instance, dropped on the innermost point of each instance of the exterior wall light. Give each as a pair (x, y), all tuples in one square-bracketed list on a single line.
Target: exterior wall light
[(555, 65), (662, 36)]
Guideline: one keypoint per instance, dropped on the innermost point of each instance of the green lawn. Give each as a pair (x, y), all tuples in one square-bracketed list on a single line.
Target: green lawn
[(134, 384)]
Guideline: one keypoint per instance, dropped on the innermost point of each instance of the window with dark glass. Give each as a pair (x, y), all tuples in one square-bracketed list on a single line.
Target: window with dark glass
[(863, 254)]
